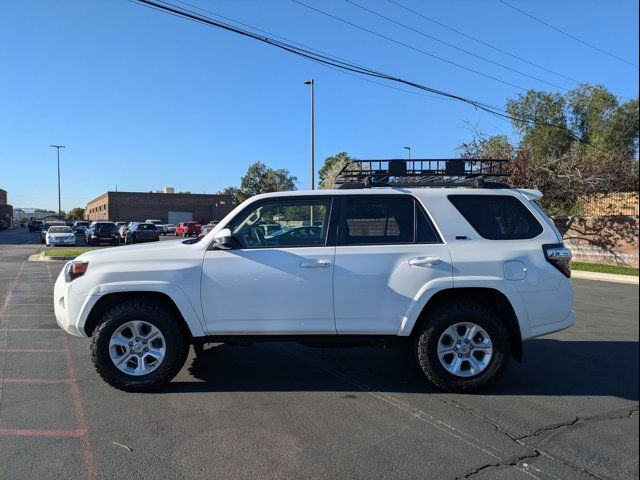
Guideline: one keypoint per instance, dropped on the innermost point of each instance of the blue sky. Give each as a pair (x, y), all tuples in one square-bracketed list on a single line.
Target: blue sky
[(146, 100)]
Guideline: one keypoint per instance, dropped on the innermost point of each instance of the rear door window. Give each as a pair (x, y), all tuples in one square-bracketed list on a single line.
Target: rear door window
[(497, 217), (385, 220)]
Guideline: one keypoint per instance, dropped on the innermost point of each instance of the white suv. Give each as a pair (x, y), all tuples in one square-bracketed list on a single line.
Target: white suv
[(462, 275)]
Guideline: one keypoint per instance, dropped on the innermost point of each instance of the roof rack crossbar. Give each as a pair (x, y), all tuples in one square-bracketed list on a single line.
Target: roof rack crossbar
[(423, 172)]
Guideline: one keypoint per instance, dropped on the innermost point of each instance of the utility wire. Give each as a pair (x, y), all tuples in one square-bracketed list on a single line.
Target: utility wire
[(566, 34), (482, 42), (260, 30), (368, 80), (172, 9), (454, 46), (406, 45)]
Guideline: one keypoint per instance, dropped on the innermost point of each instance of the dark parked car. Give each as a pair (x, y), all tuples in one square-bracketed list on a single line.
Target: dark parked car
[(35, 225), (46, 226), (102, 232), (80, 226), (141, 232), (3, 225)]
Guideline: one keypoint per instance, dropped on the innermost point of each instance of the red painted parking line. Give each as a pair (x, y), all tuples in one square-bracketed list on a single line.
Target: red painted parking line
[(7, 298), (38, 381), (34, 350), (87, 448), (82, 432), (34, 432)]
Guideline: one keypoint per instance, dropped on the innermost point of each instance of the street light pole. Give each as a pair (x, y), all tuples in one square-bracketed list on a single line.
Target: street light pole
[(409, 149), (313, 140), (58, 147)]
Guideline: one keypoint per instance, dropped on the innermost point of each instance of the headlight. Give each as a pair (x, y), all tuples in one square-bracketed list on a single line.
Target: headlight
[(75, 269)]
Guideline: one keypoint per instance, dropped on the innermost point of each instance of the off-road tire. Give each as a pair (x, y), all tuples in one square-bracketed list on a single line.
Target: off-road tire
[(173, 331), (436, 322)]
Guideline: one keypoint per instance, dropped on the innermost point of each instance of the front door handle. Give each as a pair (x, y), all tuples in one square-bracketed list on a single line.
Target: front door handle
[(315, 263), (424, 261)]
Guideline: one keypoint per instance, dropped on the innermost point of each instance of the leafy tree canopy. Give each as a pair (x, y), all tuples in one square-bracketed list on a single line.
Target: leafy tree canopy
[(75, 214), (330, 168), (262, 179)]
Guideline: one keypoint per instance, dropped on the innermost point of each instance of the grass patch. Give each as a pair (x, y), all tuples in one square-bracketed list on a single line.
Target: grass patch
[(596, 267), (66, 252)]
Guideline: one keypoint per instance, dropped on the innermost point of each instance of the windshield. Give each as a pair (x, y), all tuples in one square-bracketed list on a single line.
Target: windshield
[(60, 230)]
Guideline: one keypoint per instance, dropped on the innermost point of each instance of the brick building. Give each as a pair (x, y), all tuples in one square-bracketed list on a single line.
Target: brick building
[(6, 210), (166, 206)]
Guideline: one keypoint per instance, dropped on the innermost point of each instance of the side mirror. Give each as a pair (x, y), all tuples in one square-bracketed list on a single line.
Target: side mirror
[(223, 240)]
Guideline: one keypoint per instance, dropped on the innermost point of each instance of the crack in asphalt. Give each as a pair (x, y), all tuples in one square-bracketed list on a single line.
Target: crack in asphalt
[(538, 452), (611, 415), (505, 463)]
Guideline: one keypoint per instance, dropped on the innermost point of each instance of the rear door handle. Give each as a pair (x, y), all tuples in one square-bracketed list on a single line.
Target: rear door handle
[(315, 263), (424, 261)]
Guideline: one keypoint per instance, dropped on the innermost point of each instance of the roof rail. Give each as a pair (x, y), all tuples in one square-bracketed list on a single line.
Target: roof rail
[(423, 172)]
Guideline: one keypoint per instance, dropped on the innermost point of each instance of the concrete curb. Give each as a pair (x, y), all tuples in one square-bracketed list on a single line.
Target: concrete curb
[(41, 257), (604, 277)]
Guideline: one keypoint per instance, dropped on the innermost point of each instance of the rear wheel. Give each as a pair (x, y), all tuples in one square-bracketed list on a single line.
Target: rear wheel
[(462, 347), (139, 346)]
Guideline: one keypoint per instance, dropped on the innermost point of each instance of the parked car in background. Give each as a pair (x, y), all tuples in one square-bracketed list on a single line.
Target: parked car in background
[(187, 229), (47, 225), (35, 225), (120, 224), (122, 231), (154, 221), (169, 229), (204, 229), (141, 232), (3, 225), (60, 235), (80, 226), (102, 232)]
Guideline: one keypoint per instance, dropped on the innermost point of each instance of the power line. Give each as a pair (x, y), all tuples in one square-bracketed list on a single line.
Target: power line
[(482, 42), (519, 72), (368, 80), (172, 9), (406, 45), (566, 34)]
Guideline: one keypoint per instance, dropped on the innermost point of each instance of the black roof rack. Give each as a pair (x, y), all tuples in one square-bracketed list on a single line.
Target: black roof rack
[(423, 172)]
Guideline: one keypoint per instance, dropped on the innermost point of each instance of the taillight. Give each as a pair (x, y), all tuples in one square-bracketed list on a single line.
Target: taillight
[(558, 255), (75, 269)]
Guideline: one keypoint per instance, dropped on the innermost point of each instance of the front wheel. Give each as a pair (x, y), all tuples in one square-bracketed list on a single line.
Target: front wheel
[(462, 347), (139, 346)]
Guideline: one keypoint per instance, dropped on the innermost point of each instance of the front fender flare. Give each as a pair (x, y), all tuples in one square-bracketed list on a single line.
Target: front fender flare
[(190, 314)]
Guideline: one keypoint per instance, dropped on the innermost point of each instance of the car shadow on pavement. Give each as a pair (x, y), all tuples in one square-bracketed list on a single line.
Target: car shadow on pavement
[(550, 367)]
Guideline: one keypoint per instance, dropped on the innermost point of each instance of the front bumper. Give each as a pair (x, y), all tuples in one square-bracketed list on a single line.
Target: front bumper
[(57, 241), (68, 303)]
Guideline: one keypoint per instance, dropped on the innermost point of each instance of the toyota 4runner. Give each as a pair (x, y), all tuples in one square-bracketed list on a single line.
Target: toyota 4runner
[(461, 275)]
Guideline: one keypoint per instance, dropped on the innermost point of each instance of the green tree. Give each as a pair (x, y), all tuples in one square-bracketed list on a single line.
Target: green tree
[(569, 146), (330, 168), (75, 214), (549, 136), (494, 147), (233, 191), (262, 179)]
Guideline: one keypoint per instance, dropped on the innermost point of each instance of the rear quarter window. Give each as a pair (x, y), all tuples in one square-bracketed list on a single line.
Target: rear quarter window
[(497, 217)]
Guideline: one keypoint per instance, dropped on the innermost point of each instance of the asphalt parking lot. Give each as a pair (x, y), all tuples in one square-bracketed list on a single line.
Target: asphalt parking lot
[(275, 410)]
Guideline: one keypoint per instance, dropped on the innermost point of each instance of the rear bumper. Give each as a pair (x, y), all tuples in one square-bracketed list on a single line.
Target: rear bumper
[(538, 331)]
